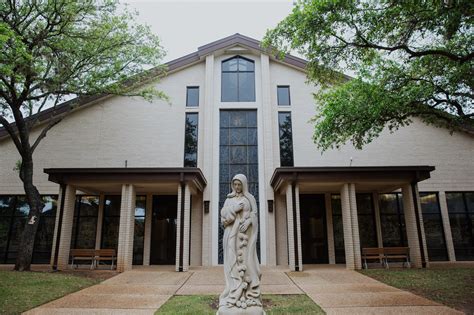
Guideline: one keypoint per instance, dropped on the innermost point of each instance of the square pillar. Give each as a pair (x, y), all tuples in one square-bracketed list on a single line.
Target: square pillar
[(378, 223), (296, 197), (446, 226), (66, 227), (411, 226), (100, 221), (290, 228), (183, 227), (147, 236), (57, 222), (355, 228), (330, 229), (126, 228), (347, 227)]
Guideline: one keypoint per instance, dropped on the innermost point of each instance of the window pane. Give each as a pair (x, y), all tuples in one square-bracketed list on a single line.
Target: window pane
[(238, 136), (44, 240), (246, 87), (140, 206), (138, 239), (89, 205), (246, 65), (16, 230), (455, 202), (462, 234), (391, 234), (6, 205), (192, 96), (50, 206), (429, 203), (336, 204), (286, 139), (22, 207), (388, 203), (470, 201), (364, 204), (86, 233), (230, 65), (229, 87), (367, 231), (4, 228), (283, 95), (112, 206), (191, 140), (110, 232)]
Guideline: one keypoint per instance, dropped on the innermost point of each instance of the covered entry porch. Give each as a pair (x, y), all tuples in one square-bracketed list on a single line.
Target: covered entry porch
[(307, 197), (165, 200)]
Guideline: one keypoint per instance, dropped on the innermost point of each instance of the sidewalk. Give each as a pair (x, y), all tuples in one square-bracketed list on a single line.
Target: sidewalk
[(337, 290)]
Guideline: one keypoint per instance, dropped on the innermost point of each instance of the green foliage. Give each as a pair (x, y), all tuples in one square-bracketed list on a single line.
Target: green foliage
[(411, 59), (52, 49)]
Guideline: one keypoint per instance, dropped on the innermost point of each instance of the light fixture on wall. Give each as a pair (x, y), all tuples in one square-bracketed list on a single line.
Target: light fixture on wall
[(206, 206), (270, 205)]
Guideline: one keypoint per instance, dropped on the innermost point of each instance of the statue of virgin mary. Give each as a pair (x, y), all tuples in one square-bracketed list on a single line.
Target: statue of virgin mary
[(241, 266)]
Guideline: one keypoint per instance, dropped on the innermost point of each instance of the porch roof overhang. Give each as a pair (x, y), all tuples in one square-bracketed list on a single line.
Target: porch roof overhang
[(370, 178), (111, 179)]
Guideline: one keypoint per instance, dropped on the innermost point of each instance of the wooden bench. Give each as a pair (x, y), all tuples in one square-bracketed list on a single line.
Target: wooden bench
[(82, 254), (105, 255), (397, 253), (386, 253), (373, 253)]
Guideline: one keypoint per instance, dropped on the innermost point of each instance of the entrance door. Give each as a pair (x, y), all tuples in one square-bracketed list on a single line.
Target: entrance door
[(163, 230), (314, 243)]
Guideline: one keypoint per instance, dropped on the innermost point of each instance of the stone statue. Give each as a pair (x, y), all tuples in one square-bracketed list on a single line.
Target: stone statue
[(241, 267)]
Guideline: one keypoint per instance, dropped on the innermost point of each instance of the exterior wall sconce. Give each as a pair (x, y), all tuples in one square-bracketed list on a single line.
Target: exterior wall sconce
[(270, 205), (206, 206)]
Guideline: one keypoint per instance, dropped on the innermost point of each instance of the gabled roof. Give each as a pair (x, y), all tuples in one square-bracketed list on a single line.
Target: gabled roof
[(173, 65)]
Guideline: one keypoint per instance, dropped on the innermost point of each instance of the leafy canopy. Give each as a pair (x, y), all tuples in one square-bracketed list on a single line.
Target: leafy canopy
[(411, 59), (53, 49)]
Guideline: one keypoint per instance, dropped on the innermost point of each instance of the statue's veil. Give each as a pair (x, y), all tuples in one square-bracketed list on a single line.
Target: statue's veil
[(245, 190)]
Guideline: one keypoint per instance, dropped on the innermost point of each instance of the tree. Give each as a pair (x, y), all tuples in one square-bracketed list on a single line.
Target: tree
[(52, 50), (410, 59)]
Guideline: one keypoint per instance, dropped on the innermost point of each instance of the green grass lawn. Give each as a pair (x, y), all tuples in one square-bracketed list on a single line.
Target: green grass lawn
[(208, 304), (453, 286), (21, 291)]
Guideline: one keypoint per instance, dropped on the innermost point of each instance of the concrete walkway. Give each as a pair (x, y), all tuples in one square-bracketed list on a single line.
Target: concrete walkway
[(337, 290)]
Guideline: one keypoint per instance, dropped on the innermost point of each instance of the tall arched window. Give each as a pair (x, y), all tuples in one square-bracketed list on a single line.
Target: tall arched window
[(238, 80)]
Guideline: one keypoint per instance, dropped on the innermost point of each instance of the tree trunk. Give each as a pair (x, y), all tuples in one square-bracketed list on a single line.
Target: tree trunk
[(25, 252)]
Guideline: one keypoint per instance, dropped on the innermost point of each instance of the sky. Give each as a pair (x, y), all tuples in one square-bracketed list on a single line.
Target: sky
[(183, 26)]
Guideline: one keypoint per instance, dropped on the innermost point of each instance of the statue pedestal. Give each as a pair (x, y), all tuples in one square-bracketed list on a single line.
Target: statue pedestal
[(252, 310)]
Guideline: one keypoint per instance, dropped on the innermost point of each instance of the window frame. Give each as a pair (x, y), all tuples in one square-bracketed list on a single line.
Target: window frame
[(289, 95), (197, 139), (192, 87), (238, 85), (280, 139)]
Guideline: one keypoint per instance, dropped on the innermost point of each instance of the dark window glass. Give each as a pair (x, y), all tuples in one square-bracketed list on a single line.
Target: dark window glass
[(192, 96), (461, 219), (339, 249), (238, 80), (111, 222), (433, 226), (139, 230), (286, 139), (191, 140), (238, 153), (392, 220), (283, 95), (366, 218), (85, 222), (14, 212)]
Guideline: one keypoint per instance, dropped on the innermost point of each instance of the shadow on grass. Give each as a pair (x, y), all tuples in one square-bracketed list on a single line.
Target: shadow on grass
[(208, 304)]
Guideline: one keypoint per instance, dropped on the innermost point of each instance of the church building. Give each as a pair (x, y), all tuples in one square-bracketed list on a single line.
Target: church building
[(148, 179)]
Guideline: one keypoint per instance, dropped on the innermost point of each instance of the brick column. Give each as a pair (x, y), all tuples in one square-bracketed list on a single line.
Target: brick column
[(378, 223), (411, 226), (66, 227), (330, 229), (347, 226), (355, 228), (147, 236), (186, 227), (446, 226), (298, 227), (290, 227), (126, 228), (100, 220), (59, 209), (421, 226), (179, 213)]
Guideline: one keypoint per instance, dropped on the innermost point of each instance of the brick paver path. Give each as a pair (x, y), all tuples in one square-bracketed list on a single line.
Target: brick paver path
[(335, 289)]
